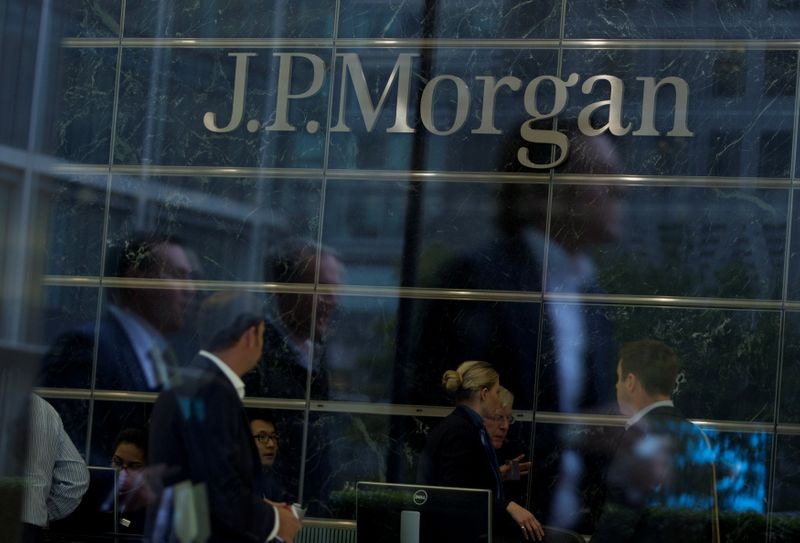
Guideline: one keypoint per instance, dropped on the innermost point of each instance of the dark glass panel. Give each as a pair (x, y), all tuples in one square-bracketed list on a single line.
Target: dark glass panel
[(176, 108), (241, 19), (460, 19), (728, 358), (681, 19), (720, 242)]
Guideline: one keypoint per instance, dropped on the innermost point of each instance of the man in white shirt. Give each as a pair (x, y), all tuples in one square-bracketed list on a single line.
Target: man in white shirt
[(56, 477), (200, 437)]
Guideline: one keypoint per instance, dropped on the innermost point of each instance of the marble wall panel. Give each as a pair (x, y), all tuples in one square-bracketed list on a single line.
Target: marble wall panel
[(73, 213), (789, 403), (78, 102), (66, 308), (786, 496), (450, 19), (446, 332), (75, 417), (681, 19), (242, 19), (168, 97), (86, 19), (445, 137), (347, 448), (65, 326), (738, 112), (19, 23), (230, 226), (710, 242), (793, 279), (728, 358), (461, 237)]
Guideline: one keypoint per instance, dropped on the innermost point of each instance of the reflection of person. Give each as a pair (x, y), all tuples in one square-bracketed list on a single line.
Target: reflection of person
[(132, 352), (459, 452), (267, 443), (292, 342), (56, 477), (659, 485), (295, 335), (130, 460), (201, 438)]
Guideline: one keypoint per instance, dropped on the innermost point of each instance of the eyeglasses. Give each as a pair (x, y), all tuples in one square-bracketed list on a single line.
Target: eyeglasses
[(119, 464), (264, 437), (500, 418)]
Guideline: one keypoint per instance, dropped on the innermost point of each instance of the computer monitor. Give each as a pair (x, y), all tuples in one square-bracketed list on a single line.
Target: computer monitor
[(395, 513)]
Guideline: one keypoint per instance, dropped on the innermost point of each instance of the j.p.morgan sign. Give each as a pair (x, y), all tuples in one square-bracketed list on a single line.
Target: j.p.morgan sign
[(608, 89)]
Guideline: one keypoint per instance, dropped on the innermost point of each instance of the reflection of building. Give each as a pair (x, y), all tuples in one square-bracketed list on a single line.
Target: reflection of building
[(705, 226)]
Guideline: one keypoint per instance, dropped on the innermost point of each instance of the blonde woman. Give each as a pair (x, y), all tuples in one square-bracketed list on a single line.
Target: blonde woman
[(459, 451)]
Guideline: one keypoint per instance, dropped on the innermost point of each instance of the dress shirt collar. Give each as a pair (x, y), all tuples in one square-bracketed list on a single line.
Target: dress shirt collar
[(642, 412), (235, 380)]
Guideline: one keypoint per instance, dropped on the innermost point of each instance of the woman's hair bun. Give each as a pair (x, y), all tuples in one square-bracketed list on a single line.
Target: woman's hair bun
[(451, 381)]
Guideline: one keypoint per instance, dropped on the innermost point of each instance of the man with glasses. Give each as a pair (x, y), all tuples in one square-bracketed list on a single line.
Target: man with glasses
[(268, 442)]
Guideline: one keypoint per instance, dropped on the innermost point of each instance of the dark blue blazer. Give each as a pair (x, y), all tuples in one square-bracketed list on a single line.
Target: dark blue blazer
[(68, 361), (659, 484), (200, 432)]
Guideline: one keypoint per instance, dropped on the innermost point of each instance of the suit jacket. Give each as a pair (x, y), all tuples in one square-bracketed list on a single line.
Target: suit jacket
[(200, 432), (659, 484), (280, 372), (68, 362)]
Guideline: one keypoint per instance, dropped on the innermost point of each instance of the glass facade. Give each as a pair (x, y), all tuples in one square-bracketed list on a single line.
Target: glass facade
[(533, 184)]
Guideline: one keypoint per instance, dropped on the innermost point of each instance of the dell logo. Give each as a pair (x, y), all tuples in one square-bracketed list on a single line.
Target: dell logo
[(420, 497)]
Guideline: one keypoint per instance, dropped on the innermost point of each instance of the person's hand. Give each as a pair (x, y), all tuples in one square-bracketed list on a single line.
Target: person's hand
[(531, 528), (524, 467), (290, 524)]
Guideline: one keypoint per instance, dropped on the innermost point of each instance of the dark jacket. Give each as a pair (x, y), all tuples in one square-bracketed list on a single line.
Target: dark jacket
[(200, 433), (659, 484), (455, 456)]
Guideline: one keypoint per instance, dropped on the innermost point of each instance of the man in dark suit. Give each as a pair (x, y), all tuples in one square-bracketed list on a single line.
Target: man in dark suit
[(200, 438), (293, 344), (660, 482), (132, 350)]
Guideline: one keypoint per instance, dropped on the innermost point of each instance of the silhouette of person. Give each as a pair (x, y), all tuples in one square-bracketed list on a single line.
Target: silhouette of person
[(293, 344), (132, 351), (542, 243)]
